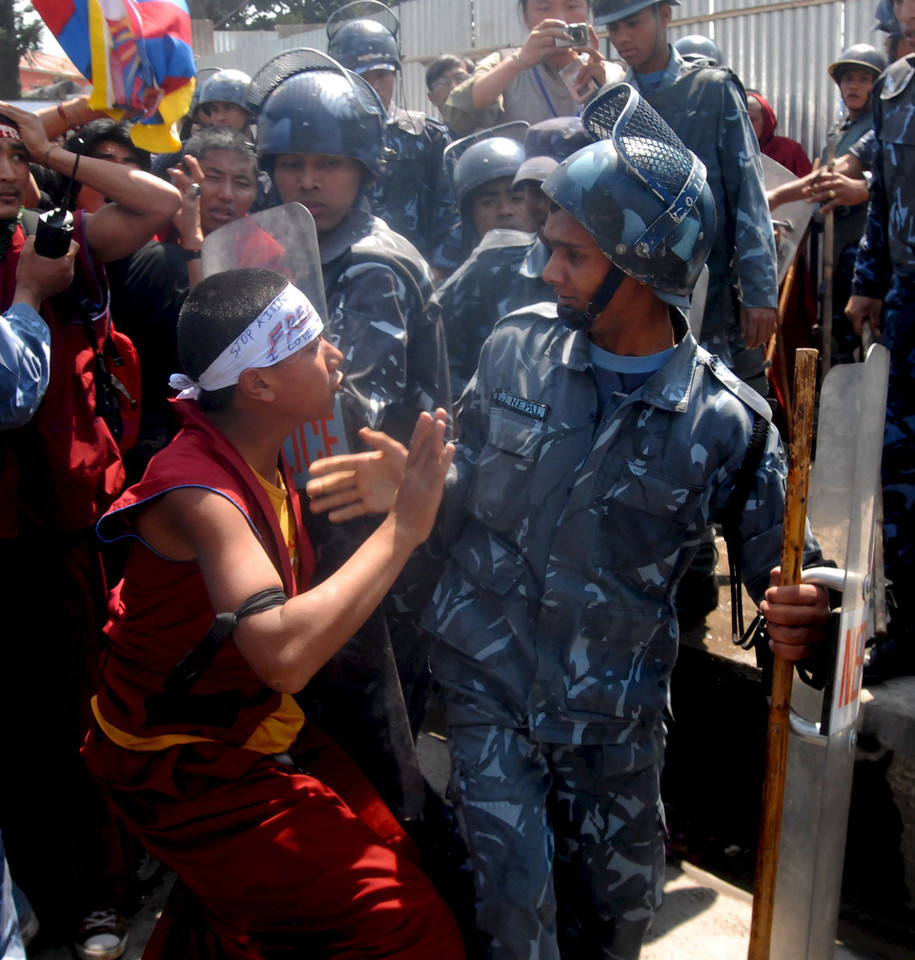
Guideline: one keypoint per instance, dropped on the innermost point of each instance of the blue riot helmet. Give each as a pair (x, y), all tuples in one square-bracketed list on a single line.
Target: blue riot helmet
[(476, 159), (696, 47), (861, 56), (362, 36), (225, 86), (609, 11), (307, 103), (363, 45), (641, 194)]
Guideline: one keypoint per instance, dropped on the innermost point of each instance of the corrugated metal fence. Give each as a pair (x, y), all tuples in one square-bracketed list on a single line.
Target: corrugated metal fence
[(779, 48)]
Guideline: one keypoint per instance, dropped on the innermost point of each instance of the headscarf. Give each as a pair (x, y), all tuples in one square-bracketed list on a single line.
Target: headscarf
[(789, 153)]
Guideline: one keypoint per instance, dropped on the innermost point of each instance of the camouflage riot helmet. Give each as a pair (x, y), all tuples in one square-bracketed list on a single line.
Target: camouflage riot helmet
[(307, 103), (609, 11), (861, 56), (225, 86), (640, 193), (696, 47), (547, 143), (885, 19)]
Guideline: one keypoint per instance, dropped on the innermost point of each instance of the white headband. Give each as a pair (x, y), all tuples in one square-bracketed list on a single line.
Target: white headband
[(289, 323)]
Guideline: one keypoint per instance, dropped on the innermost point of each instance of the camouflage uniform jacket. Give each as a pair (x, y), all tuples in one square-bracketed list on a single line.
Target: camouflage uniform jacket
[(413, 195), (503, 274), (707, 109), (385, 318), (559, 592), (887, 252)]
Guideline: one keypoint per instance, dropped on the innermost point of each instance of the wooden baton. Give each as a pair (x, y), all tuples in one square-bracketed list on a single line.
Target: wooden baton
[(783, 671)]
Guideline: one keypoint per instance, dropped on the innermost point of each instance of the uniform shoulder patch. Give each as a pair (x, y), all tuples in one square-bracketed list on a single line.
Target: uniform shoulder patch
[(897, 77)]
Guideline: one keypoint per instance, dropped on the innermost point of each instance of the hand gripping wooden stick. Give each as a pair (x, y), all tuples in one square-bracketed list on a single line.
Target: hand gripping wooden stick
[(783, 671)]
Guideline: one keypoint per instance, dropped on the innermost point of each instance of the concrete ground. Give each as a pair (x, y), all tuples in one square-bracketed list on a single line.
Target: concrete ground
[(703, 918)]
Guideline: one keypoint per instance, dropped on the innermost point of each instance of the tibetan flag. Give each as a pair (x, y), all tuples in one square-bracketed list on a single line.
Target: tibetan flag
[(138, 56)]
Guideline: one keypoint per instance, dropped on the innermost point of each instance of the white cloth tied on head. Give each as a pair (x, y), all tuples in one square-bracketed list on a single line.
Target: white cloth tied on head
[(287, 324)]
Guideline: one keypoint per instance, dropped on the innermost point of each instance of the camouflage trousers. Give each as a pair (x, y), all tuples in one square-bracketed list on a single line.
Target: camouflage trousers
[(565, 841), (899, 457)]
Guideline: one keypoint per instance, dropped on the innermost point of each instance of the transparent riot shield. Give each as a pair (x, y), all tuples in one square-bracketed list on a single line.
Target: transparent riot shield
[(790, 219), (283, 239), (844, 487)]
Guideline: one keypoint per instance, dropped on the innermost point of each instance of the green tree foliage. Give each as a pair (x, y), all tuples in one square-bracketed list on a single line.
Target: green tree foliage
[(262, 14), (20, 32)]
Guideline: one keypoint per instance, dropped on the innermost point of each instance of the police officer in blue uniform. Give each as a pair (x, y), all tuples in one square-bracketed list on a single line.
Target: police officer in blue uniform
[(412, 193), (596, 442), (882, 293)]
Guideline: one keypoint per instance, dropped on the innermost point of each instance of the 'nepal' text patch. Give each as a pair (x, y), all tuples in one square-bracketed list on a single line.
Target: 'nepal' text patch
[(528, 407)]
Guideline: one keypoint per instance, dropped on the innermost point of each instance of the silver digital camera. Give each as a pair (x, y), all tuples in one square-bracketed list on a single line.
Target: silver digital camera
[(576, 35)]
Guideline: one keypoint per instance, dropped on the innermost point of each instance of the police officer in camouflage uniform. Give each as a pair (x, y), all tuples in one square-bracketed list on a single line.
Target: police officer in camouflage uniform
[(320, 138), (504, 272), (412, 193), (884, 282), (597, 441), (706, 107)]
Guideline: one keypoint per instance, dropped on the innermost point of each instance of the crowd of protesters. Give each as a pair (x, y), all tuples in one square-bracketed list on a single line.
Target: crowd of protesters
[(513, 430)]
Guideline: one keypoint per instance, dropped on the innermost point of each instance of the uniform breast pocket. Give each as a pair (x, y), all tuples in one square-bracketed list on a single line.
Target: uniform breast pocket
[(898, 127), (643, 521), (501, 492)]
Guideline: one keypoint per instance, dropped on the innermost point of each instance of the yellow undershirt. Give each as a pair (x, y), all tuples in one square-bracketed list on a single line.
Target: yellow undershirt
[(275, 733)]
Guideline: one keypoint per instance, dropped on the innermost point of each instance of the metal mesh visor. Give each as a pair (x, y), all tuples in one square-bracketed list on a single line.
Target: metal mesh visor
[(645, 143), (651, 152), (285, 65), (363, 10)]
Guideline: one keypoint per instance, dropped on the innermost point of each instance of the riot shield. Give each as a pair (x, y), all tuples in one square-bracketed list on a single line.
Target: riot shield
[(791, 219), (282, 239), (844, 489)]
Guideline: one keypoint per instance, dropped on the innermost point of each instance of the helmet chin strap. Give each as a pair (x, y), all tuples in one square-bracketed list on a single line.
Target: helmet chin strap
[(583, 320)]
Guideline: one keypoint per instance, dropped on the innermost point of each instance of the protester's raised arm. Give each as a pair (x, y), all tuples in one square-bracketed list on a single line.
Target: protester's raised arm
[(141, 203), (286, 645)]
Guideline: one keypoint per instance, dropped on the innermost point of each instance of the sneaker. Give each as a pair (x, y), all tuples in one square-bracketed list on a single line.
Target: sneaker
[(102, 936)]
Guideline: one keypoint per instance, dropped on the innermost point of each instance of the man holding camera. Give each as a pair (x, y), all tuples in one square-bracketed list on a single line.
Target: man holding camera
[(529, 82), (59, 471)]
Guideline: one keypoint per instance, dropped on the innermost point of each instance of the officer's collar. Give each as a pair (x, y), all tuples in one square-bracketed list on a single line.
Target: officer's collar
[(669, 387)]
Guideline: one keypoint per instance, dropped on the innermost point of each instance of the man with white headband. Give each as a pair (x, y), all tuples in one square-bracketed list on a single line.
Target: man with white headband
[(197, 737)]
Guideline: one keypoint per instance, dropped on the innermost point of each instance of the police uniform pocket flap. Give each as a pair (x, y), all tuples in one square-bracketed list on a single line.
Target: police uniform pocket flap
[(898, 128), (636, 486), (488, 561), (515, 430)]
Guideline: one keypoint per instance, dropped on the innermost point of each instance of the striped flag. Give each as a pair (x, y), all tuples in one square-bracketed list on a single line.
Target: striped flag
[(138, 56)]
